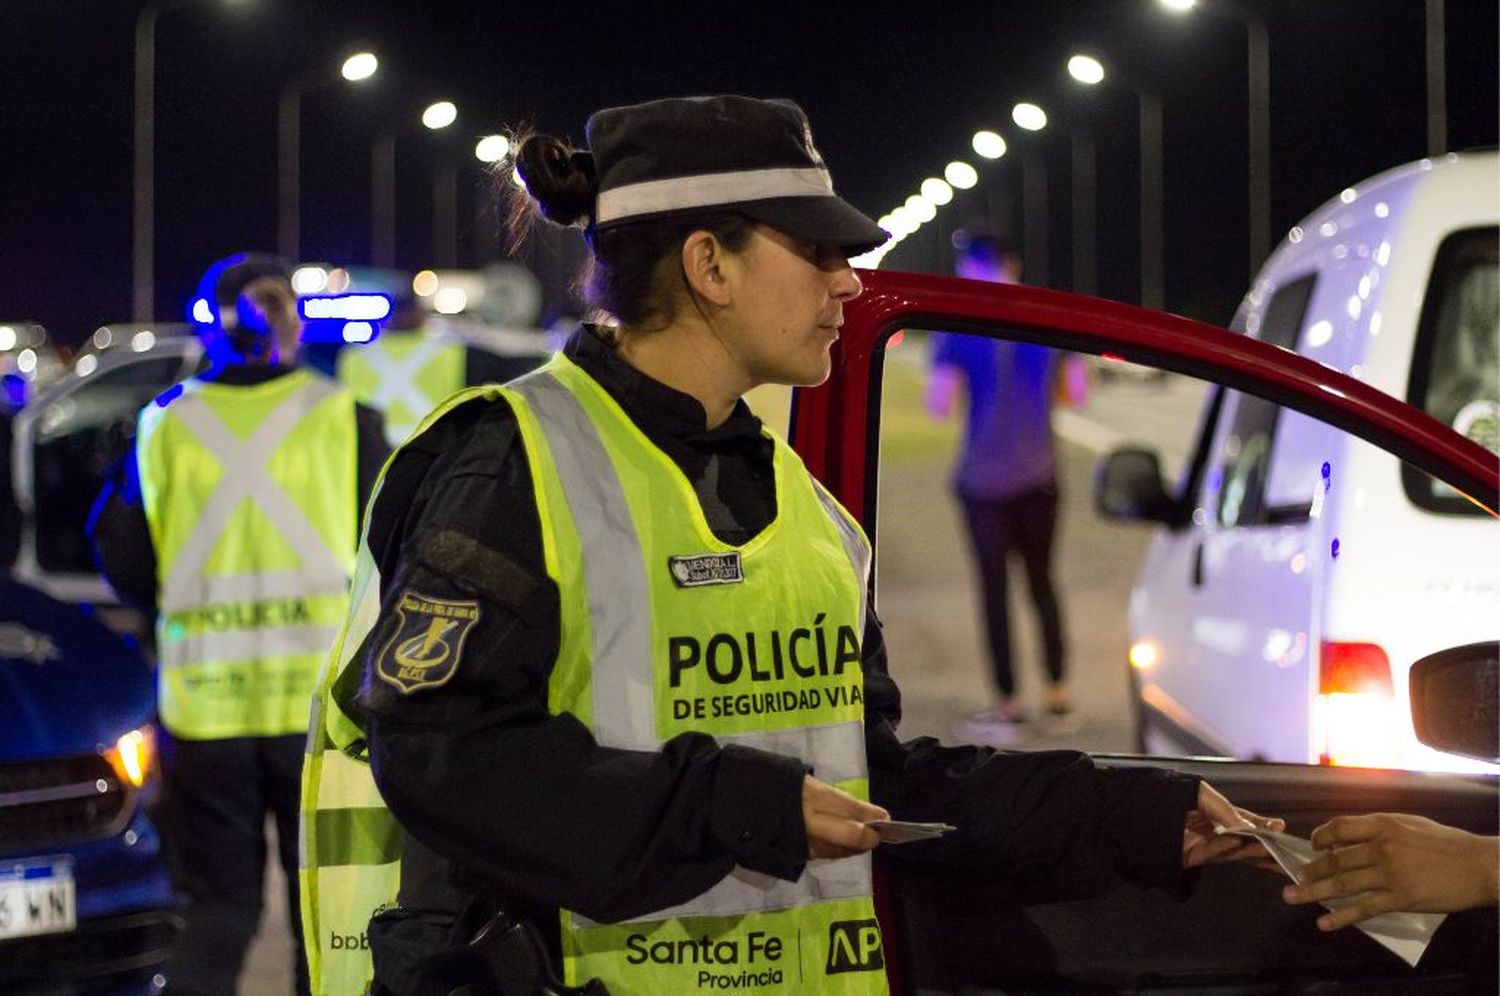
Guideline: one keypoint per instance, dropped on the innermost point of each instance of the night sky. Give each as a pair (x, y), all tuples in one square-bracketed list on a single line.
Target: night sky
[(894, 90)]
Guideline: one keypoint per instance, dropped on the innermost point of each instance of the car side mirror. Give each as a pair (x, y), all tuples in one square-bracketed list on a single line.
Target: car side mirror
[(1455, 700), (1128, 486)]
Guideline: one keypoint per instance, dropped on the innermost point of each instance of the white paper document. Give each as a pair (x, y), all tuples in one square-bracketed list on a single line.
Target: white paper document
[(1406, 934)]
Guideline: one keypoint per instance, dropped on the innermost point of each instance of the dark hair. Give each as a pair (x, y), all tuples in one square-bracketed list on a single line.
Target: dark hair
[(633, 264)]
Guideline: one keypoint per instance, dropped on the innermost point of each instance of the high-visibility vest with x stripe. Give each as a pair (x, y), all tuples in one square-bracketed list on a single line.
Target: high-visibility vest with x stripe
[(250, 493), (664, 629), (403, 375)]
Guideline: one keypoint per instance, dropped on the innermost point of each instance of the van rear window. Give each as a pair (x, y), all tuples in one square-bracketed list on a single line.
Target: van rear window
[(1455, 374)]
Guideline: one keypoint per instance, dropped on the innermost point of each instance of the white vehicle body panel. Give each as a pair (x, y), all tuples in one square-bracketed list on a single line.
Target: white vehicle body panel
[(1238, 651)]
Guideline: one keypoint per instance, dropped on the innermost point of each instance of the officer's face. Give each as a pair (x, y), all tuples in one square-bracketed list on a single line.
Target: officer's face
[(269, 306), (788, 307)]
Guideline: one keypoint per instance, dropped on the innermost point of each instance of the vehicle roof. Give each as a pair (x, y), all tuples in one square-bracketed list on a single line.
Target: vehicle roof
[(1360, 219)]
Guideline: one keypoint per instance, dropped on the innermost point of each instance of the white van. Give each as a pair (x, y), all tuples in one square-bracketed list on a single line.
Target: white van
[(1299, 572)]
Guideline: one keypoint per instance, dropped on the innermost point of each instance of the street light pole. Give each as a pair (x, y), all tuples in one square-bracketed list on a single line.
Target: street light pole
[(1152, 265), (289, 169), (1090, 72), (1034, 204), (383, 182), (1258, 62), (1085, 212), (445, 214), (143, 275), (1437, 94), (1258, 56), (383, 200), (360, 66)]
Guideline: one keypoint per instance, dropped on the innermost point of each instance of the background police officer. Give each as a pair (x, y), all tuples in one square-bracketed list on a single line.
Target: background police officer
[(410, 367), (234, 520)]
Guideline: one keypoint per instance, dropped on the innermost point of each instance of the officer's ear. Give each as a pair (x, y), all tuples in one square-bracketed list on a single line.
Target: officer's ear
[(708, 268)]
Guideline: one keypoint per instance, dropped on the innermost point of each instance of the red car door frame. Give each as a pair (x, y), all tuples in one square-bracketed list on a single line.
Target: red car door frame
[(835, 426)]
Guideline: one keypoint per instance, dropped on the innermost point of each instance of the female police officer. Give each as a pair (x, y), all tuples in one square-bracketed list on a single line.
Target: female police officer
[(611, 661)]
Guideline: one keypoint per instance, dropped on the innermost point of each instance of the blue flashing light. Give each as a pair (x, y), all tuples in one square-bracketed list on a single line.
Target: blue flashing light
[(358, 332), (168, 396), (13, 390), (201, 311), (364, 307)]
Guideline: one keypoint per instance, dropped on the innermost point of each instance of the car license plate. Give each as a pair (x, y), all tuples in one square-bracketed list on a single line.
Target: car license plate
[(37, 897)]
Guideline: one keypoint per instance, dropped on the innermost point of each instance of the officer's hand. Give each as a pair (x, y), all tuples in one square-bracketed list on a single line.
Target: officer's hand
[(1201, 845), (835, 821), (1393, 861)]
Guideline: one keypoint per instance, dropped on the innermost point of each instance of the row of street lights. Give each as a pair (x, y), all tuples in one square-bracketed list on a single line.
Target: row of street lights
[(356, 68), (1089, 71)]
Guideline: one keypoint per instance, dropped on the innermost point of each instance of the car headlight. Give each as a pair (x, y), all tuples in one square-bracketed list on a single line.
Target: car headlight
[(134, 756)]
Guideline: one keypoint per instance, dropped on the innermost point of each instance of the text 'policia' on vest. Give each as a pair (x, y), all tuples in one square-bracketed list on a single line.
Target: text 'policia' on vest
[(665, 629)]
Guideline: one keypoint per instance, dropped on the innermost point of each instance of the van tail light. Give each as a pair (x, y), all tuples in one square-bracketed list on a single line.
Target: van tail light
[(1355, 716)]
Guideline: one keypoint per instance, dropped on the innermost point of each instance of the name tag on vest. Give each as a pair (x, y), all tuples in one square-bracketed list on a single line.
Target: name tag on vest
[(709, 568)]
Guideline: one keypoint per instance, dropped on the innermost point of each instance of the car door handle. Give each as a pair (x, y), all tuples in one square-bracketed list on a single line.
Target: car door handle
[(1198, 565)]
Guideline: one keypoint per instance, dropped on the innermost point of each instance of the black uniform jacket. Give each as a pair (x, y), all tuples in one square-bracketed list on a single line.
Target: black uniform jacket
[(522, 807), (122, 539)]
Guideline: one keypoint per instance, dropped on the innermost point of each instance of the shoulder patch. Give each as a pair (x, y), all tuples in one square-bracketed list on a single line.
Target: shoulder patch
[(429, 639)]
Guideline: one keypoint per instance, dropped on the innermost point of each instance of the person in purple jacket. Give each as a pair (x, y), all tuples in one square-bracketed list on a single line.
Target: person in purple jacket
[(1006, 480)]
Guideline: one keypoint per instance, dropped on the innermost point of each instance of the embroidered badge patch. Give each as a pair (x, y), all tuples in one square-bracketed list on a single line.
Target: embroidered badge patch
[(429, 638), (709, 568)]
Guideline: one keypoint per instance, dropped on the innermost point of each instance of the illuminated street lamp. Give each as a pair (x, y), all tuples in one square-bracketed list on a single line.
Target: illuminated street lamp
[(435, 117), (1028, 116), (988, 145), (960, 175), (1086, 69), (356, 68), (936, 191), (492, 148)]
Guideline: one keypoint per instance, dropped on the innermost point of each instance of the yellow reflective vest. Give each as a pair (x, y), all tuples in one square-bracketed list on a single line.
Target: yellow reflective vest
[(250, 495), (403, 375), (665, 629)]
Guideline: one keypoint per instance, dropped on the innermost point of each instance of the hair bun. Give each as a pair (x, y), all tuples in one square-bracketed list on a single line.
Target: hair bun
[(559, 178)]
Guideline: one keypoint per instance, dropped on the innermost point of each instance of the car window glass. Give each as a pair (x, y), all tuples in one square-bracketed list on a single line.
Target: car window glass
[(79, 437), (1245, 452), (928, 595), (1456, 366), (1223, 630)]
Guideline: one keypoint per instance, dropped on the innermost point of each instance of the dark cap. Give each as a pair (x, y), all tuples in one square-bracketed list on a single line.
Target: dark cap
[(699, 154)]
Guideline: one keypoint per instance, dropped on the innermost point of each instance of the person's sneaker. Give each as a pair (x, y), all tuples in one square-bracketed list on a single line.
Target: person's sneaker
[(1061, 720), (992, 727)]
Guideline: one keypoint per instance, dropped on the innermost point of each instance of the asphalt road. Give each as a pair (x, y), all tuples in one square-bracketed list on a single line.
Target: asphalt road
[(925, 590)]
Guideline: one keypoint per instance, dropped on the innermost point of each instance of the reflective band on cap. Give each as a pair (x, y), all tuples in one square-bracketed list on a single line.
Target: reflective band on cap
[(710, 190)]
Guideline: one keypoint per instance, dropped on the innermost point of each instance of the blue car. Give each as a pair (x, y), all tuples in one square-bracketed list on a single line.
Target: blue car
[(86, 904)]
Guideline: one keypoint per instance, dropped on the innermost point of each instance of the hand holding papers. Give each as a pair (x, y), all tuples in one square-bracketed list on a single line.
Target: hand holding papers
[(1405, 934)]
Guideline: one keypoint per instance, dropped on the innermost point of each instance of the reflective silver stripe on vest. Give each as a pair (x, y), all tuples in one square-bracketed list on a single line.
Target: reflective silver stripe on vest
[(185, 586), (246, 644), (619, 598), (854, 544), (614, 570)]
